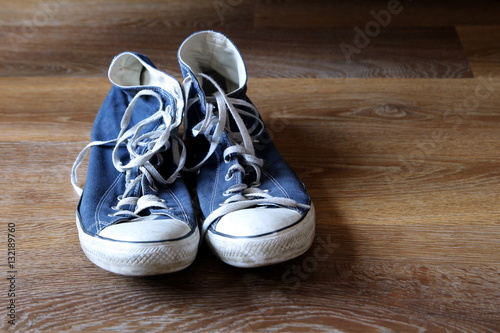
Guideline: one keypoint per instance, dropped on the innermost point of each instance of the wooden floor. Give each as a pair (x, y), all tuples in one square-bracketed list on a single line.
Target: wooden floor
[(389, 113)]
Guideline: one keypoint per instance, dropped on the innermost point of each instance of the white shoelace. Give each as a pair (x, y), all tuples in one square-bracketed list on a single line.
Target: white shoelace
[(240, 196), (141, 148)]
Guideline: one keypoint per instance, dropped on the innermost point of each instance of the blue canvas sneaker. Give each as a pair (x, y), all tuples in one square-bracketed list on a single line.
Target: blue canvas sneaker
[(135, 215), (256, 211)]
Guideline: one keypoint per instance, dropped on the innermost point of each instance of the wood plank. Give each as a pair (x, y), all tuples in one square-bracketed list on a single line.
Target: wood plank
[(327, 14), (112, 14), (398, 147), (59, 39), (246, 13), (482, 47), (405, 277), (49, 109), (394, 295), (366, 225), (341, 52), (415, 147), (375, 169), (395, 52), (258, 302), (435, 110)]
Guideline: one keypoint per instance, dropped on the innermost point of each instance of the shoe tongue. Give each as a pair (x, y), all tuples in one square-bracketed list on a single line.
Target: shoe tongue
[(140, 142)]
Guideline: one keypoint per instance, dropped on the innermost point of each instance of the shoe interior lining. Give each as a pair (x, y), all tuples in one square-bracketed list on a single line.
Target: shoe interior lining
[(128, 71), (211, 52)]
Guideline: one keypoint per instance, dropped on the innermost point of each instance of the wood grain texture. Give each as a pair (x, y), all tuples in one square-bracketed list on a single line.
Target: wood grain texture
[(72, 40), (49, 109), (322, 53), (399, 149), (332, 14), (482, 46), (395, 52), (392, 247)]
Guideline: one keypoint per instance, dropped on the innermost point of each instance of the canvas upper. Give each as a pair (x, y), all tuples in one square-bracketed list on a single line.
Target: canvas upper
[(245, 188), (134, 197)]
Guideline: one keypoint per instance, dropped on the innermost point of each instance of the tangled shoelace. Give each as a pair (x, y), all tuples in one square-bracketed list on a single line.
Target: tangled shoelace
[(219, 108), (142, 147)]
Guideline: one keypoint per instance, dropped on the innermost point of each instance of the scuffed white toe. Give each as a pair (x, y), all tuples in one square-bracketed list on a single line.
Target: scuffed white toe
[(262, 245), (142, 248), (256, 221), (146, 231)]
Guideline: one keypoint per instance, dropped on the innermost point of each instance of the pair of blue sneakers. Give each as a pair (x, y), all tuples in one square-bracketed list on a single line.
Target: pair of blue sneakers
[(136, 216)]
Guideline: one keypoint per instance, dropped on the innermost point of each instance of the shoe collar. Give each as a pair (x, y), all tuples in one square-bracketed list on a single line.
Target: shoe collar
[(214, 51), (133, 72)]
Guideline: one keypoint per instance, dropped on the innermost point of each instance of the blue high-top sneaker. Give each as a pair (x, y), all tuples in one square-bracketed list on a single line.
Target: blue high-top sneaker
[(256, 211), (135, 215)]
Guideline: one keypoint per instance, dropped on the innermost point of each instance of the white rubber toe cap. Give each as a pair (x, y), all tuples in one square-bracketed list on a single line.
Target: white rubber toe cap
[(256, 221), (146, 231)]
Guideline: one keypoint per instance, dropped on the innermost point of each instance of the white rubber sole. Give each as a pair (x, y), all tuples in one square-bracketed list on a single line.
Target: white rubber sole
[(139, 259), (266, 250)]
